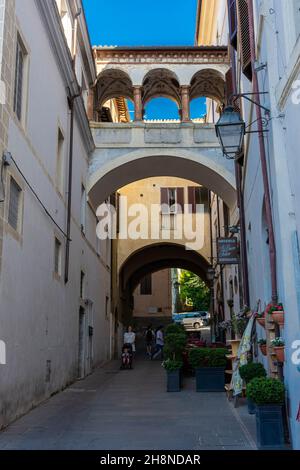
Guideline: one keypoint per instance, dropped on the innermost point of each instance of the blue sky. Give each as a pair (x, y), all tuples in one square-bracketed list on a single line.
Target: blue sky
[(145, 23)]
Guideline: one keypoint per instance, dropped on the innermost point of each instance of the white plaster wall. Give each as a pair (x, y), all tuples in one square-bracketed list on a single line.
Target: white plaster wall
[(39, 315), (275, 27)]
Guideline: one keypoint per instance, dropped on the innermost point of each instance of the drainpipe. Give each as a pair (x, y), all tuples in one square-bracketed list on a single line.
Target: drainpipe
[(212, 286), (221, 268), (240, 201), (267, 197), (71, 100)]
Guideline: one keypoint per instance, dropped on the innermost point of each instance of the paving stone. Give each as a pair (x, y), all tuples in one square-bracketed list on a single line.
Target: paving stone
[(113, 409)]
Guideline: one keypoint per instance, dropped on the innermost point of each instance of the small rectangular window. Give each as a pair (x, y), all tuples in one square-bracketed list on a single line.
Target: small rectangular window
[(172, 200), (106, 306), (19, 101), (57, 257), (60, 161), (83, 209), (146, 285), (82, 284), (197, 195), (14, 205)]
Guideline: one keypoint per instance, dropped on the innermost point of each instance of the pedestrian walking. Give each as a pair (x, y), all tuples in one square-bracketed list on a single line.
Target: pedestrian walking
[(129, 338), (149, 336), (159, 344)]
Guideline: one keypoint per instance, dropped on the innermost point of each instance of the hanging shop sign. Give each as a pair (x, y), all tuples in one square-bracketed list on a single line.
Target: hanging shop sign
[(227, 250)]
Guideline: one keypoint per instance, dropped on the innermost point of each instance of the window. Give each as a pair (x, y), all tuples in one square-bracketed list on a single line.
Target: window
[(14, 208), (244, 24), (196, 196), (19, 101), (226, 219), (106, 306), (83, 209), (85, 91), (57, 257), (82, 284), (170, 199), (146, 285), (60, 161)]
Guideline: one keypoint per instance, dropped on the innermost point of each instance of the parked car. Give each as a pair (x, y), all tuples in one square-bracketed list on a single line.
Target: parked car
[(192, 320)]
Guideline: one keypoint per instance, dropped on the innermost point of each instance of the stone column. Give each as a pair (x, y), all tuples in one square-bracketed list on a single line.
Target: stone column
[(185, 103), (138, 105)]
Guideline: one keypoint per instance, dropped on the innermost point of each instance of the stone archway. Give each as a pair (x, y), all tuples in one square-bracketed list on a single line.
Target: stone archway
[(151, 259), (207, 167)]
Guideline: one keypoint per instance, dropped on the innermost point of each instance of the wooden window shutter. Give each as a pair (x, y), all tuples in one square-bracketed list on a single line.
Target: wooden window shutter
[(180, 198), (192, 199), (230, 91), (244, 31), (232, 17), (164, 200)]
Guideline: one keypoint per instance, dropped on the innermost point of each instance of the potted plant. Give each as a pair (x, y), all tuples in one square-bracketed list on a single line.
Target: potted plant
[(175, 342), (260, 318), (248, 372), (277, 312), (173, 368), (268, 395), (278, 347), (209, 365), (263, 346)]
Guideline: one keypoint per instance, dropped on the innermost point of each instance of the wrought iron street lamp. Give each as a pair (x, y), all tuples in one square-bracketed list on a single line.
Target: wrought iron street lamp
[(230, 130), (210, 274)]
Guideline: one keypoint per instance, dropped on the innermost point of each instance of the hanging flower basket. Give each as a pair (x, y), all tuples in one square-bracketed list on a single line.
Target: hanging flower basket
[(263, 348), (278, 348), (261, 320), (279, 351), (278, 317), (277, 313)]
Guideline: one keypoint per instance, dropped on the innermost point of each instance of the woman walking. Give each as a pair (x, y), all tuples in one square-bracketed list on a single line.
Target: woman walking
[(129, 338)]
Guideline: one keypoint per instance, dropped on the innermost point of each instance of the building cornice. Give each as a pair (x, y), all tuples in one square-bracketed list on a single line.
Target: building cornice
[(49, 13), (167, 54)]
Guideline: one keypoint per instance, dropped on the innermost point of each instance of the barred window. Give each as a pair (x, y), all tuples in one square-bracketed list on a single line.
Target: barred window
[(14, 205)]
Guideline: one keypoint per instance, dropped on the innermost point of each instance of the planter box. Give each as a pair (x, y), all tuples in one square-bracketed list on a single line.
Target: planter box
[(173, 380), (251, 406), (210, 379), (269, 427)]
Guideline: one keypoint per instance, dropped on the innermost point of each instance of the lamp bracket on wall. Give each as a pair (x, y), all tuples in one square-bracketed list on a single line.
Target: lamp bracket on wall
[(233, 98)]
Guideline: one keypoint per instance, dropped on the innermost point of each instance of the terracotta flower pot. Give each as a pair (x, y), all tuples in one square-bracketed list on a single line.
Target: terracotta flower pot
[(278, 317), (261, 321), (263, 348), (279, 351)]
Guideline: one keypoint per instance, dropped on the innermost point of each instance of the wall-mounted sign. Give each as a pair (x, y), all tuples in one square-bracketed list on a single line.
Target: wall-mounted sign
[(227, 250)]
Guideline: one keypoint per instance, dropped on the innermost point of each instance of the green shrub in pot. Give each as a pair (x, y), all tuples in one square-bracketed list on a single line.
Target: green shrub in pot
[(172, 365), (268, 394), (251, 371), (266, 390), (206, 357)]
